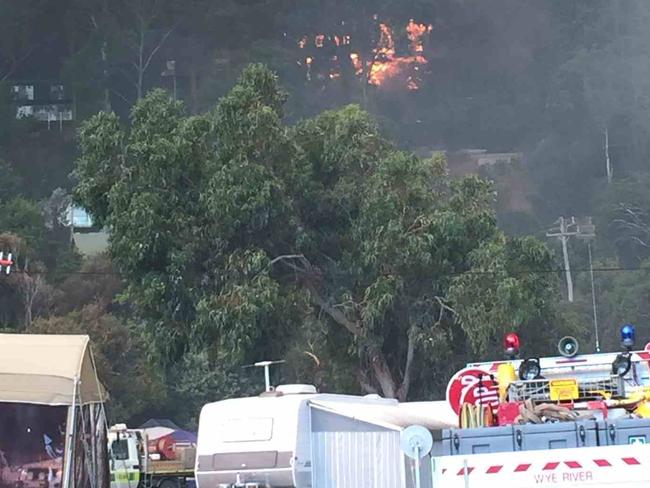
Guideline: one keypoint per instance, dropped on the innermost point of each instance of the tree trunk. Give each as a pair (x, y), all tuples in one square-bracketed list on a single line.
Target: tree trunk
[(28, 314), (29, 290), (101, 27), (608, 161), (105, 77), (381, 372), (104, 54), (403, 391), (194, 102)]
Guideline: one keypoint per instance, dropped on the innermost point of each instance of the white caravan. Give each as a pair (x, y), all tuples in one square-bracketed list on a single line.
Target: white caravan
[(295, 437)]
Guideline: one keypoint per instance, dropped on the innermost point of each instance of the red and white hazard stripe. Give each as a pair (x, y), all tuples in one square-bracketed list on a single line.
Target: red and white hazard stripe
[(623, 466), (547, 466)]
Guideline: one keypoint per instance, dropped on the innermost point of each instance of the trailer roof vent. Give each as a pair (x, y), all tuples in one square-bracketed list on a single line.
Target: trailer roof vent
[(373, 396), (296, 389)]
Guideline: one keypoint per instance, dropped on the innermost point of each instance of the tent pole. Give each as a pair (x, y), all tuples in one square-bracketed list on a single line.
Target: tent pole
[(71, 428)]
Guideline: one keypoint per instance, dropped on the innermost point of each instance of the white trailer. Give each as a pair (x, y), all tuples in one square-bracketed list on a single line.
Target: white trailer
[(294, 437)]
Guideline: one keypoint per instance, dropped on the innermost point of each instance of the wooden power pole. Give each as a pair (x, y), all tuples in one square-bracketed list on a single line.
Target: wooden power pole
[(565, 228)]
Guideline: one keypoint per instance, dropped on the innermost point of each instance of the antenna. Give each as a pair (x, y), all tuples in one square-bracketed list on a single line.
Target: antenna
[(267, 371), (416, 442)]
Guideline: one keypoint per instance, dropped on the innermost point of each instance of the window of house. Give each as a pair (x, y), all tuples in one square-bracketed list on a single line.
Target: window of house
[(23, 92), (57, 92)]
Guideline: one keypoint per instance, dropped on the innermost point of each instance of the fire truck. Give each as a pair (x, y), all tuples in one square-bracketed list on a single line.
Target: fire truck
[(571, 420)]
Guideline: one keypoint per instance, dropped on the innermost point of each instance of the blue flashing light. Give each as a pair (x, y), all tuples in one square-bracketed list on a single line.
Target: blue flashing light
[(627, 336)]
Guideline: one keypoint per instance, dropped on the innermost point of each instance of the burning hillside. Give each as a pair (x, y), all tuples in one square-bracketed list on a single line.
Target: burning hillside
[(392, 59)]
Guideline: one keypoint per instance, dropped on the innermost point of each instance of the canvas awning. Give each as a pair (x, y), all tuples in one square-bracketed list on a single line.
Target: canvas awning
[(397, 416), (43, 369)]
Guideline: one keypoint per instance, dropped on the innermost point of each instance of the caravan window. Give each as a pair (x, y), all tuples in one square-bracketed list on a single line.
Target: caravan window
[(246, 430)]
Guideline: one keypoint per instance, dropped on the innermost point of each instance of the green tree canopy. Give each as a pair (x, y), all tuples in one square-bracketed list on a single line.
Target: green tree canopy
[(238, 235)]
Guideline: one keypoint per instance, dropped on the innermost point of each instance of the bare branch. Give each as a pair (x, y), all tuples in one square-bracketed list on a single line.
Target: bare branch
[(416, 226), (307, 271), (158, 46), (16, 63), (336, 314), (348, 303), (637, 240), (444, 307), (285, 257), (121, 96), (314, 357)]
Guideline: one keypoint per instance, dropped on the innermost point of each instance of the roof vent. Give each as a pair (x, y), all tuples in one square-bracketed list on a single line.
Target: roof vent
[(271, 393), (297, 389)]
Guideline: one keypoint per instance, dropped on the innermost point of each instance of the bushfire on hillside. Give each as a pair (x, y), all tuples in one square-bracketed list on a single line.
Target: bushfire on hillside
[(395, 59)]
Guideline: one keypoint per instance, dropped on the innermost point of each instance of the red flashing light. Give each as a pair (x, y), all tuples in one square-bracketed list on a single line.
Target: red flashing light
[(511, 344)]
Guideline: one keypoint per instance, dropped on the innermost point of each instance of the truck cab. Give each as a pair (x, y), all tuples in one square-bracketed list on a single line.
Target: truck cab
[(124, 449), (139, 462)]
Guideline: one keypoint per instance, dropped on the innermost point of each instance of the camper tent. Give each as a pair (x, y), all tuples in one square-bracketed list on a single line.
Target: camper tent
[(51, 412)]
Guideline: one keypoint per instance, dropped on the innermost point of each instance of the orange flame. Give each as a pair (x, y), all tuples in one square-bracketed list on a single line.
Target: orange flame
[(385, 67), (356, 63), (415, 33)]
